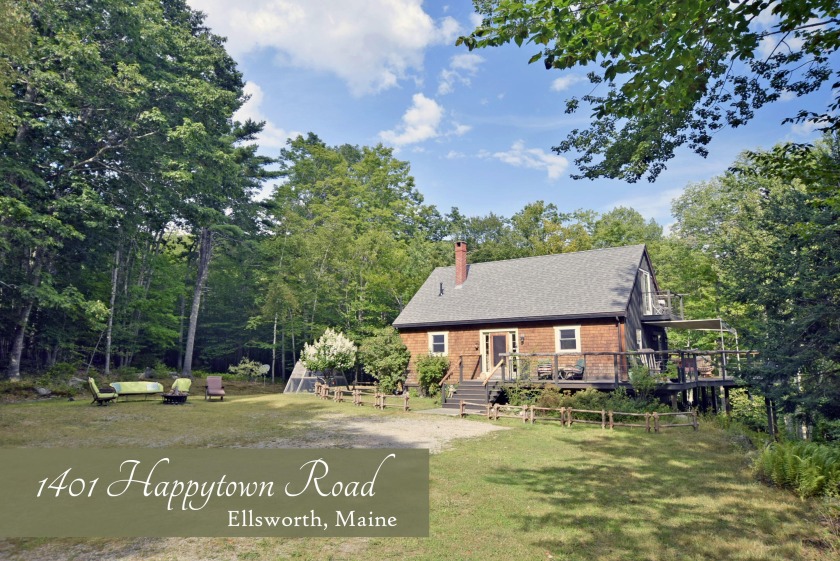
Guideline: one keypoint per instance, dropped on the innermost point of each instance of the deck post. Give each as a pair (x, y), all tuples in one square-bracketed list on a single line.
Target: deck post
[(726, 405), (703, 403), (673, 401), (715, 391), (461, 370), (615, 369), (555, 368), (685, 399)]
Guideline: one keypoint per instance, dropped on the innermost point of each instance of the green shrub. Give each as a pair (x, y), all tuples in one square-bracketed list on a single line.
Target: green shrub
[(749, 411), (827, 430), (644, 382), (385, 357), (808, 468), (520, 394), (246, 369), (595, 400), (61, 371), (430, 371)]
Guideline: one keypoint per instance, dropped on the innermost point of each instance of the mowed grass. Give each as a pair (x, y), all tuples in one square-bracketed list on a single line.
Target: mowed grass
[(533, 492)]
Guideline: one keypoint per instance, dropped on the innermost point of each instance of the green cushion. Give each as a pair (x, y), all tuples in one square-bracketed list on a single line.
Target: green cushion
[(129, 388), (182, 385)]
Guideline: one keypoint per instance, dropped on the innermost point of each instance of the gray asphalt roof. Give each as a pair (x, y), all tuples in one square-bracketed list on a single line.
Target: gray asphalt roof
[(583, 284)]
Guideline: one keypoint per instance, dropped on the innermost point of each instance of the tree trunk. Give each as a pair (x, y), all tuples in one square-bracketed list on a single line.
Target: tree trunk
[(114, 278), (274, 349), (181, 334), (204, 250), (283, 355), (13, 372)]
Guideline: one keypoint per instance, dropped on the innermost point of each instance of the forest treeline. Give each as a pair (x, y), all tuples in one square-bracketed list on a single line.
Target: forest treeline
[(132, 233)]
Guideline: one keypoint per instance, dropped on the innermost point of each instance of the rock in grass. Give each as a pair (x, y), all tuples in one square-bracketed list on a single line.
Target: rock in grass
[(43, 392)]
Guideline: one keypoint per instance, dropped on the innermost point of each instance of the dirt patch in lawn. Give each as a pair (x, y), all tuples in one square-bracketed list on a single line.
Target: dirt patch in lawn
[(411, 431)]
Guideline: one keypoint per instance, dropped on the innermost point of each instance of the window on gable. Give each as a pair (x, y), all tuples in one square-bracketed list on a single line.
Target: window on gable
[(438, 343), (567, 339)]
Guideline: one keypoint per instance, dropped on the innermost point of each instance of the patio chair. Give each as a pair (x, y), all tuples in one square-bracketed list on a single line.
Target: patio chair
[(100, 397), (576, 371), (181, 385), (214, 388)]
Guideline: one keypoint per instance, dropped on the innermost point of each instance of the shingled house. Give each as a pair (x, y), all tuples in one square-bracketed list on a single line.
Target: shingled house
[(566, 306)]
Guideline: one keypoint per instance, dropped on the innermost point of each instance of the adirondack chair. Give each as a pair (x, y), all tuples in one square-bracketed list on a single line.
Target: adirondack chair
[(181, 385), (214, 388), (100, 398)]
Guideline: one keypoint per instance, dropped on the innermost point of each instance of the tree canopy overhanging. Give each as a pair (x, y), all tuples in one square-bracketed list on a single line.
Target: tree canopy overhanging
[(671, 72)]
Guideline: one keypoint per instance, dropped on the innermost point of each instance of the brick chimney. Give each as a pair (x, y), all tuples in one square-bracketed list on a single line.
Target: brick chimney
[(460, 263)]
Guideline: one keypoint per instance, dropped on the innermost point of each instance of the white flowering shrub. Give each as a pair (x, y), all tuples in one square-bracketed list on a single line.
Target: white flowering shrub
[(333, 351)]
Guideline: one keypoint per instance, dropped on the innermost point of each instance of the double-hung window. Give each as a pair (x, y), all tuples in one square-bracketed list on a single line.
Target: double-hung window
[(439, 343), (567, 339)]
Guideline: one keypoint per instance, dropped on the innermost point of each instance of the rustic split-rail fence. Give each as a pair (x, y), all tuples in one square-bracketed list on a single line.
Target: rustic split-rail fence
[(566, 416), (362, 397)]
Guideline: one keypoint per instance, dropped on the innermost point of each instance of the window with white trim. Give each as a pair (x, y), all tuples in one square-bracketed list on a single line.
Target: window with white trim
[(439, 343), (567, 339)]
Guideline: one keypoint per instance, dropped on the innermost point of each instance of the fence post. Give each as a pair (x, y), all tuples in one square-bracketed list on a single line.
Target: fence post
[(462, 408), (655, 421), (405, 407), (694, 414), (489, 408), (647, 422), (532, 414), (610, 415), (603, 419), (496, 412)]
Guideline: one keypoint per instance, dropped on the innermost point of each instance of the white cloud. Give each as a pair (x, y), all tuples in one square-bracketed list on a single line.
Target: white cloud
[(271, 136), (460, 130), (532, 158), (370, 44), (461, 68), (420, 122), (565, 82), (805, 128), (475, 19), (454, 155)]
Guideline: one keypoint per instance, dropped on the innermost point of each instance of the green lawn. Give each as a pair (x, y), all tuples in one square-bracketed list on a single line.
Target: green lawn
[(533, 492)]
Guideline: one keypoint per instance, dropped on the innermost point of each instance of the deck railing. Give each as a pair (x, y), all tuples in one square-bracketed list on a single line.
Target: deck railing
[(663, 303), (673, 366)]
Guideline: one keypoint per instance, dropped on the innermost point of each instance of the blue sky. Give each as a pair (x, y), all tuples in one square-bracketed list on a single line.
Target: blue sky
[(476, 127)]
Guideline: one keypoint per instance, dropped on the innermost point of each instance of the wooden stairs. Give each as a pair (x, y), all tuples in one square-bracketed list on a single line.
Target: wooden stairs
[(473, 391)]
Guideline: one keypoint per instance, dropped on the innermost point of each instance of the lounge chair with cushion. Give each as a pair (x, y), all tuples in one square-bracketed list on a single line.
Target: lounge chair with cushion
[(576, 371), (214, 388), (100, 397)]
